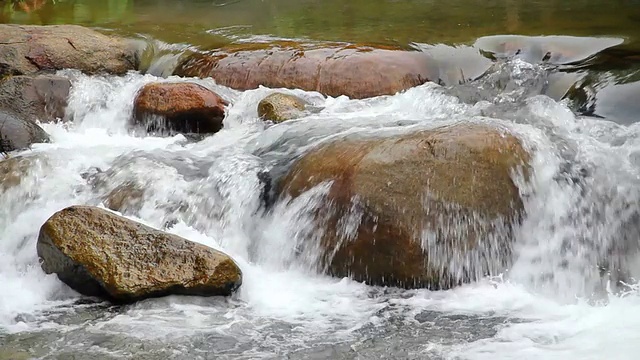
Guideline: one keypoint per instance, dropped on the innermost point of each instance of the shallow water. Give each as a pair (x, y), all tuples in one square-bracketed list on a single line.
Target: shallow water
[(553, 303)]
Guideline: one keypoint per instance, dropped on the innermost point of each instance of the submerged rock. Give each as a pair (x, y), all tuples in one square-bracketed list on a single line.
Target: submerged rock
[(11, 171), (428, 209), (618, 102), (15, 354), (98, 253), (181, 107), (14, 169), (18, 134), (457, 64), (548, 49), (125, 198), (279, 107), (26, 50), (356, 71), (35, 98)]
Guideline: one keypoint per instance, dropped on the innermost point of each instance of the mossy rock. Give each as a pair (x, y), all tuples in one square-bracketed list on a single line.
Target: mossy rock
[(98, 253), (279, 107)]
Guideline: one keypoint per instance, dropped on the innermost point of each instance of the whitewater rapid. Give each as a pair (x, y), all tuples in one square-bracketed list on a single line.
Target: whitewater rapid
[(581, 203)]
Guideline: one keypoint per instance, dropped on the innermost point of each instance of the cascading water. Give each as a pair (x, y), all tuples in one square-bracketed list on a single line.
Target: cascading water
[(556, 301)]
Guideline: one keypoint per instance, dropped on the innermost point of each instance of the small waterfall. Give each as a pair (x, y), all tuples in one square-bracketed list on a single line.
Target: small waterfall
[(578, 236), (580, 212)]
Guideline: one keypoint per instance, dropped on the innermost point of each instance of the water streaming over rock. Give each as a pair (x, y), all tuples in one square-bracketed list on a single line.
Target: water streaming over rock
[(561, 298)]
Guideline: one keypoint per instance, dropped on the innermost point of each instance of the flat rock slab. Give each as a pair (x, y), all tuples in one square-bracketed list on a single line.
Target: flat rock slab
[(357, 71)]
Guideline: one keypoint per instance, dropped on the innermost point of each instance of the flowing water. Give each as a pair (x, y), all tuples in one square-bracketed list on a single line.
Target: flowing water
[(570, 293)]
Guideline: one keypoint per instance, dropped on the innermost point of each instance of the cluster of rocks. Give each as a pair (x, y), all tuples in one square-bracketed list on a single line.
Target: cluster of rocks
[(31, 92), (29, 89), (405, 185)]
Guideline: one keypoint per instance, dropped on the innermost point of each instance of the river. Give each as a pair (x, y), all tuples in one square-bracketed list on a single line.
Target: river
[(553, 303)]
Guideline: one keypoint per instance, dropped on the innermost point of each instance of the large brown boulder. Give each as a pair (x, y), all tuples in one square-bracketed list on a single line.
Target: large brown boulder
[(98, 253), (18, 134), (181, 107), (26, 50), (334, 70), (428, 209), (35, 98)]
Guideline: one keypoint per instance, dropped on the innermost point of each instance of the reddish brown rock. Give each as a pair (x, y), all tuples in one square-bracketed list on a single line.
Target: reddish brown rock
[(428, 209), (183, 107), (26, 50), (334, 70)]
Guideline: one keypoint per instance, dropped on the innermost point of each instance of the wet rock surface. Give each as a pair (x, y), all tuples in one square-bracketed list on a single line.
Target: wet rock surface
[(18, 134), (428, 209), (279, 107), (26, 50), (125, 198), (352, 70), (179, 107), (98, 253), (35, 98)]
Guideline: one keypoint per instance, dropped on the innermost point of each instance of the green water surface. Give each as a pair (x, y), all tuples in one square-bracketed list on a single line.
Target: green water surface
[(204, 23)]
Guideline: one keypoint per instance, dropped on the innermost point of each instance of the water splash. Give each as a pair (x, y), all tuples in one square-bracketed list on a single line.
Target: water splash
[(581, 217)]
